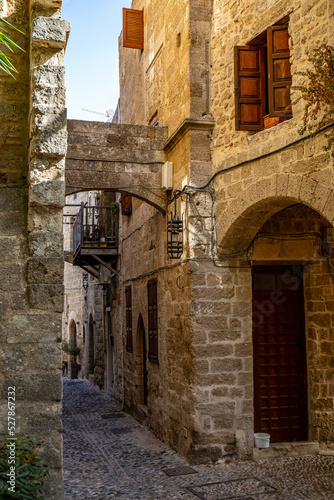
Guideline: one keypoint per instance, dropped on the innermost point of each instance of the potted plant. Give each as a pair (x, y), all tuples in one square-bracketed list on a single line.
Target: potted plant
[(72, 349)]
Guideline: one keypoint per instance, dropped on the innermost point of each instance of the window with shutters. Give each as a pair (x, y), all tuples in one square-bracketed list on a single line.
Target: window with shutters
[(126, 204), (133, 29), (263, 79), (152, 287), (128, 318)]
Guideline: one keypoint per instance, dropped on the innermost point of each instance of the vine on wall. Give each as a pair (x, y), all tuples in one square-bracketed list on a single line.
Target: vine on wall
[(318, 93)]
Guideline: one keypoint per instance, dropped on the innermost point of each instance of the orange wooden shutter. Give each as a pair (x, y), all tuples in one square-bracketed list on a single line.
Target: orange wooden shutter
[(126, 202), (279, 70), (133, 29), (250, 87)]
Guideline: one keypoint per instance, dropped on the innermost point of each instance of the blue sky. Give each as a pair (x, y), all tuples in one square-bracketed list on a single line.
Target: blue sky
[(91, 58)]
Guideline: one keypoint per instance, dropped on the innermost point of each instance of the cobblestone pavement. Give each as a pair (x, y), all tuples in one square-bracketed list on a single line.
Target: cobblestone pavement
[(119, 458)]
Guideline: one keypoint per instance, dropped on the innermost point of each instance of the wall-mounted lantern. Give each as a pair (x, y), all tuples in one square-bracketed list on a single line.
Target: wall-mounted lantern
[(174, 235), (85, 280)]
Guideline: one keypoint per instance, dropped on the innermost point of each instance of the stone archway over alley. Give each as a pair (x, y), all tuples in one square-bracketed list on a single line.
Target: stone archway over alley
[(113, 157)]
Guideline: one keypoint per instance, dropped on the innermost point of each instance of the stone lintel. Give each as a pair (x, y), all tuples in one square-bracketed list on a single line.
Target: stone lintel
[(186, 125)]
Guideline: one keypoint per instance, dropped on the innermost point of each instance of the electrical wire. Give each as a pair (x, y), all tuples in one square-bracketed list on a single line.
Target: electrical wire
[(139, 227), (119, 188), (176, 264), (261, 157)]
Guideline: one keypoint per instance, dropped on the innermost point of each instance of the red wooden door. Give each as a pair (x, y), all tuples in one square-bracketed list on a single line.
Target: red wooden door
[(280, 400)]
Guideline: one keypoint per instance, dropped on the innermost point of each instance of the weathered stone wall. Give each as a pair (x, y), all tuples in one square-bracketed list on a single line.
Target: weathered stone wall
[(223, 219), (246, 198), (234, 23), (223, 349), (158, 77), (169, 399), (93, 308), (82, 305), (74, 294), (33, 146)]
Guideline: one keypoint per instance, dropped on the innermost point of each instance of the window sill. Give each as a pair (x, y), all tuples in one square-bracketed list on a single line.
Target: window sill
[(251, 135)]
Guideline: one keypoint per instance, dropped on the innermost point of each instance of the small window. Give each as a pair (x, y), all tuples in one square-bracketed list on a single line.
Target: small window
[(154, 120), (133, 29), (128, 318), (263, 79), (152, 320)]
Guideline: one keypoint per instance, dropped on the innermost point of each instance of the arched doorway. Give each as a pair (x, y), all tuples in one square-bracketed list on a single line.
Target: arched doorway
[(91, 357), (141, 362), (73, 333), (287, 339), (292, 315)]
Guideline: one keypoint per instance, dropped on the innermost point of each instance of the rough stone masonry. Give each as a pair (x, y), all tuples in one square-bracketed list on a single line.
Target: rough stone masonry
[(33, 146)]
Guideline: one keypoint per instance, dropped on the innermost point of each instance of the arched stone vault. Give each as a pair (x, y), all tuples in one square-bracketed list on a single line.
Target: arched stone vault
[(122, 158), (245, 214)]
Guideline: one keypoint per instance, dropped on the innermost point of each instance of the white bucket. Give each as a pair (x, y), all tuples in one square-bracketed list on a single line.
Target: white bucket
[(262, 440)]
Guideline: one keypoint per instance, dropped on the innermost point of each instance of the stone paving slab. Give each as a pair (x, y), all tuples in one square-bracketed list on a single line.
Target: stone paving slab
[(101, 462)]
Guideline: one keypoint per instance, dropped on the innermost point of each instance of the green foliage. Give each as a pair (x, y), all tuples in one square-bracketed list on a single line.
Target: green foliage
[(318, 94), (114, 207), (29, 470), (70, 348), (111, 204), (5, 61)]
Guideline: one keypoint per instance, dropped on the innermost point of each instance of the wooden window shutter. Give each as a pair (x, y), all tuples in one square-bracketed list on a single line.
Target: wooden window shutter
[(133, 29), (152, 288), (126, 202), (128, 318), (279, 71), (250, 87)]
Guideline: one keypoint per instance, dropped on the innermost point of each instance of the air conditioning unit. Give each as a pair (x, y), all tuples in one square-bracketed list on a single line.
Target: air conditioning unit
[(167, 176)]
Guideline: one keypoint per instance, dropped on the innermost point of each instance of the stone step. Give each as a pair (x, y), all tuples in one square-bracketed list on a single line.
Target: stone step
[(295, 449)]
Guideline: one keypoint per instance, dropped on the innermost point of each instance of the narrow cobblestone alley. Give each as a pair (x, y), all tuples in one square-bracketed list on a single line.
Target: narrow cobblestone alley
[(107, 454)]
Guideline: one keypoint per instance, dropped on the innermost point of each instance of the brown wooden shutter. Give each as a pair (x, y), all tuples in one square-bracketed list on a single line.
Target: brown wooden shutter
[(152, 288), (133, 29), (128, 318), (250, 87), (279, 70), (126, 202)]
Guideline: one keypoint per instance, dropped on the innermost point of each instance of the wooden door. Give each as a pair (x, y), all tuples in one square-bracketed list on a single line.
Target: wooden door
[(280, 399), (145, 369)]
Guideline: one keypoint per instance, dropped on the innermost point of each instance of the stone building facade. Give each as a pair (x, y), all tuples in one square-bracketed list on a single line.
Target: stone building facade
[(257, 205), (84, 321), (235, 335), (32, 165)]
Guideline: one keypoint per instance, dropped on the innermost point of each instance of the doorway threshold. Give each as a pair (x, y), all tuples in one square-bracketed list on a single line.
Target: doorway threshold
[(142, 414), (294, 449)]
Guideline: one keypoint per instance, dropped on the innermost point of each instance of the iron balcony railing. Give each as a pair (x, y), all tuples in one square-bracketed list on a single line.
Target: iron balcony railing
[(95, 227)]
